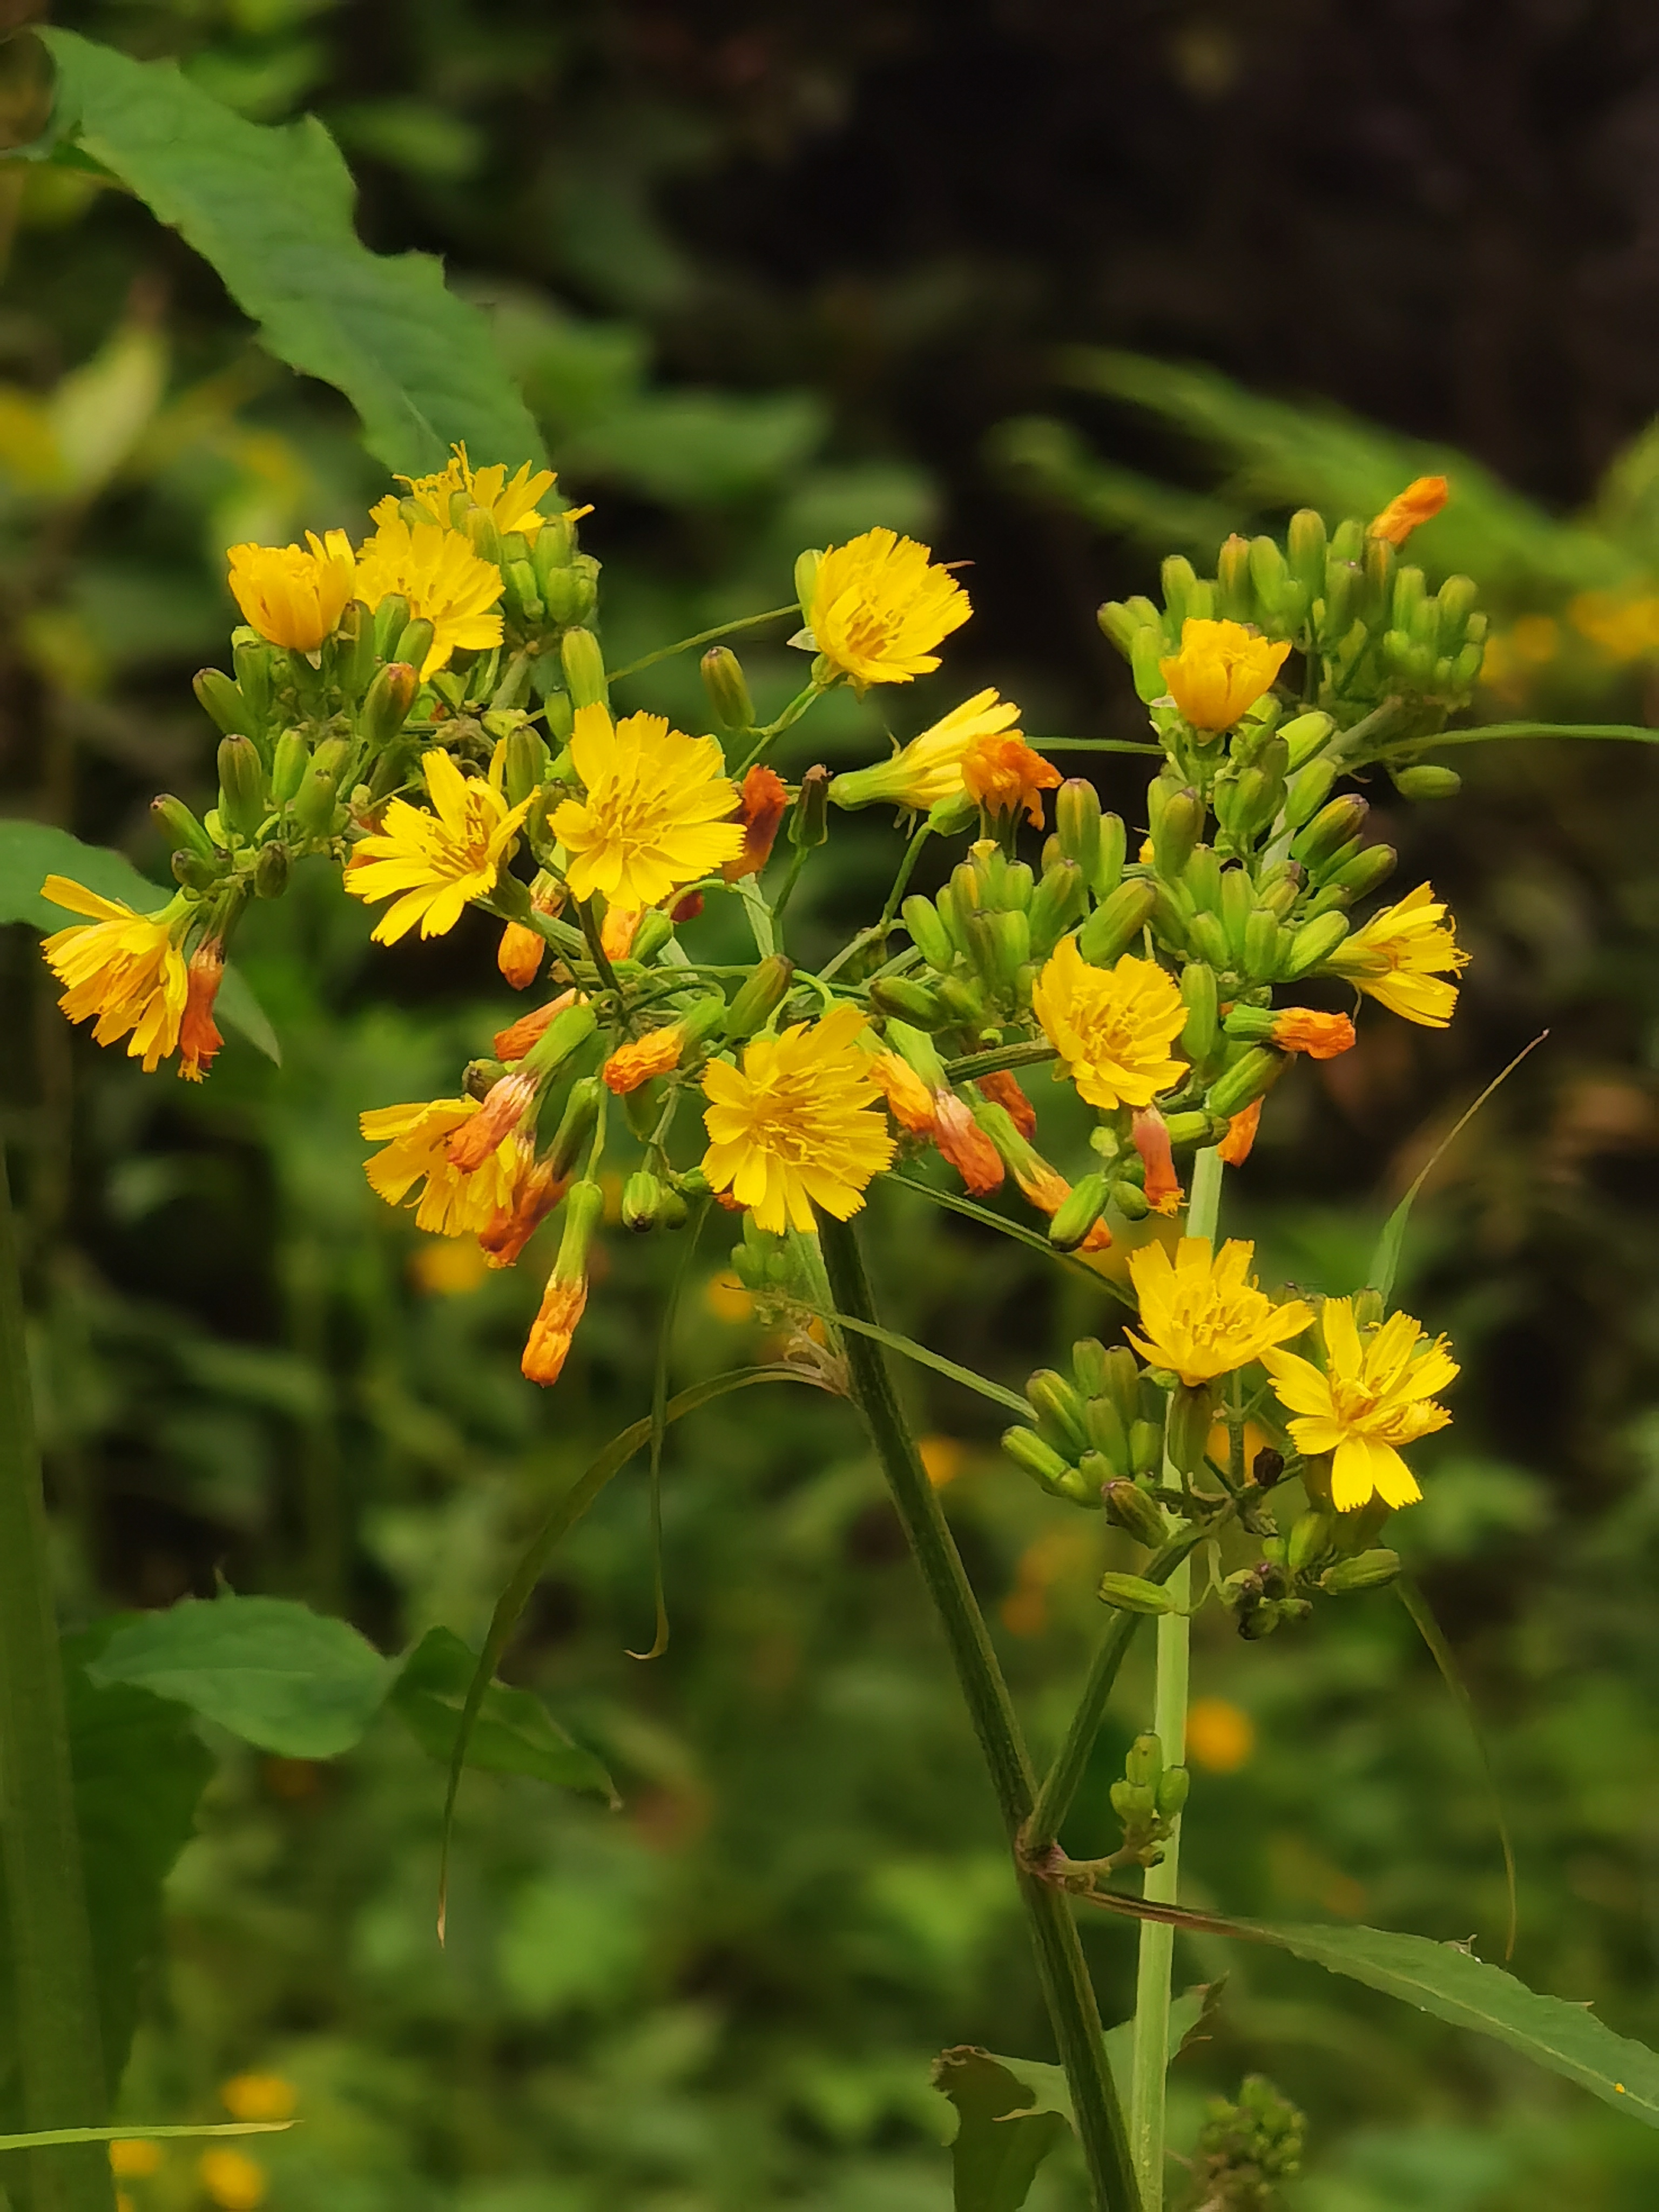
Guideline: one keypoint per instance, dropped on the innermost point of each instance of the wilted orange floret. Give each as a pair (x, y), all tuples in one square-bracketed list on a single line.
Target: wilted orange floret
[(1420, 502), (642, 1057), (1234, 1147), (618, 930), (1003, 775), (910, 1101), (965, 1145), (536, 1192), (506, 1103), (764, 802), (513, 1041), (548, 1346), (198, 1033), (1150, 1132), (1002, 1087), (1322, 1036)]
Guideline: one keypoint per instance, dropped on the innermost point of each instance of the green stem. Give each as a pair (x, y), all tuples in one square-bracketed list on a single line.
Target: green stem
[(1004, 1055), (54, 1996), (1151, 2060), (703, 637), (1065, 1987), (791, 714)]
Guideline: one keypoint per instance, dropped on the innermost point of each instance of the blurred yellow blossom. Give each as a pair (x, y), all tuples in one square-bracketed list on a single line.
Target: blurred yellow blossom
[(233, 2180)]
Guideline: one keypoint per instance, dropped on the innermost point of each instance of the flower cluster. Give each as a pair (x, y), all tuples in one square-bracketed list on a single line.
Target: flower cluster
[(430, 706)]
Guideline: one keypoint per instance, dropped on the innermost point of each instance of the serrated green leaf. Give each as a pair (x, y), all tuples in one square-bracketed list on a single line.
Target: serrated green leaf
[(1003, 2134), (32, 851), (271, 209), (514, 1734), (267, 1669)]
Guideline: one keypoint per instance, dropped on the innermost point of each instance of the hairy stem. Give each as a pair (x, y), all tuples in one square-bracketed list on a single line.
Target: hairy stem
[(54, 1998), (1151, 2029), (1061, 1969)]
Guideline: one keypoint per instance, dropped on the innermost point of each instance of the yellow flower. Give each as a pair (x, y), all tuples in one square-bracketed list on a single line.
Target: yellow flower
[(1202, 1315), (930, 767), (511, 501), (1005, 776), (294, 595), (655, 815), (438, 860), (1219, 1737), (233, 2180), (445, 581), (417, 1139), (262, 2096), (797, 1124), (1220, 672), (1113, 1027), (880, 604), (122, 969), (1420, 502), (1374, 1393), (1402, 957), (133, 2156)]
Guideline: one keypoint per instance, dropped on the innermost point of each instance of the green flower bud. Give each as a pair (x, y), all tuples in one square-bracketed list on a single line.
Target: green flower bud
[(1367, 869), (1107, 1433), (568, 598), (1310, 1541), (1427, 780), (1172, 1787), (1145, 1446), (654, 932), (1147, 651), (352, 649), (251, 658), (415, 643), (1173, 915), (484, 533), (1305, 543), (181, 828), (1313, 943), (914, 1003), (1057, 905), (1330, 828), (1248, 1077), (1202, 877), (1261, 944), (1128, 1505), (1176, 832), (806, 580), (1134, 1802), (1235, 594), (288, 763), (1188, 1425), (194, 873), (1304, 735), (1209, 940), (223, 701), (1059, 1412), (244, 787), (641, 1198), (963, 1001), (1365, 1570), (270, 872), (1143, 1762), (1117, 922), (1122, 1382), (1134, 1594), (1179, 581), (760, 997), (1268, 572), (1130, 1200), (1089, 1369), (1079, 1213), (809, 824), (1040, 1460), (525, 766), (555, 548), (581, 1110), (729, 692), (522, 598), (1307, 792), (390, 621), (584, 667), (1077, 824), (1119, 623), (387, 702), (928, 934), (313, 805)]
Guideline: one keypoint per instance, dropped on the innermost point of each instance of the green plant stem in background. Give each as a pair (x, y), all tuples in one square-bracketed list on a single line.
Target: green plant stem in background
[(1066, 1988), (1150, 2063), (55, 2021)]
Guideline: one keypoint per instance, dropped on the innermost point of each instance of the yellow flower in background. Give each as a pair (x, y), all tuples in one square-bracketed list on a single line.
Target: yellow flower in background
[(1220, 672), (1375, 1393), (798, 1124), (122, 971), (656, 813), (439, 860), (1112, 1027), (880, 604), (1626, 629), (511, 501), (1200, 1314), (929, 768), (1420, 502), (234, 2182), (262, 2096), (295, 595), (133, 2157), (417, 1139), (1220, 1738), (445, 581), (1402, 957)]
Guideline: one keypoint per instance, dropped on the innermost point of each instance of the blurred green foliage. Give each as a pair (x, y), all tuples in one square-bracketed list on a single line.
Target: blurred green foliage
[(727, 1994)]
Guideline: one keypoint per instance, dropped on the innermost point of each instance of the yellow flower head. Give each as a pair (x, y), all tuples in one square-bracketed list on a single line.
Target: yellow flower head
[(930, 767), (445, 581), (1005, 776), (797, 1124), (233, 2180), (1202, 1315), (294, 595), (511, 501), (123, 971), (134, 2157), (439, 860), (452, 1202), (1113, 1027), (1420, 502), (1220, 672), (880, 604), (1375, 1393), (1402, 957), (263, 2096), (657, 812)]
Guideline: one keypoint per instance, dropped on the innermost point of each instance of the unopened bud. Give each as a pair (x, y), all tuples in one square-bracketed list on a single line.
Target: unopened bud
[(584, 667), (911, 1002), (760, 997), (1057, 904), (641, 1199), (1310, 1541), (1117, 922), (352, 649), (1078, 1213), (728, 691), (1427, 780), (1304, 735), (1146, 1447), (391, 620), (928, 934), (223, 701), (288, 765), (1365, 871), (555, 548), (244, 790), (1330, 829), (416, 643), (1175, 832), (1187, 1426), (1248, 1077), (1313, 943), (251, 658), (1198, 991), (1143, 1762), (1077, 824), (1173, 1786), (1134, 1802), (1044, 1464), (580, 1111), (526, 764), (387, 702), (1364, 1571), (195, 872), (569, 597), (179, 826), (1134, 1594), (313, 802), (270, 872), (1059, 1412), (809, 824), (1127, 1505), (1306, 546), (807, 580)]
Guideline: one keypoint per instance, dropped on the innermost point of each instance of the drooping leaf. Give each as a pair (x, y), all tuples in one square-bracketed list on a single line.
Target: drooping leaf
[(32, 851), (908, 1348), (1003, 2132), (514, 1734), (139, 1770), (271, 209), (267, 1669), (1450, 1982)]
